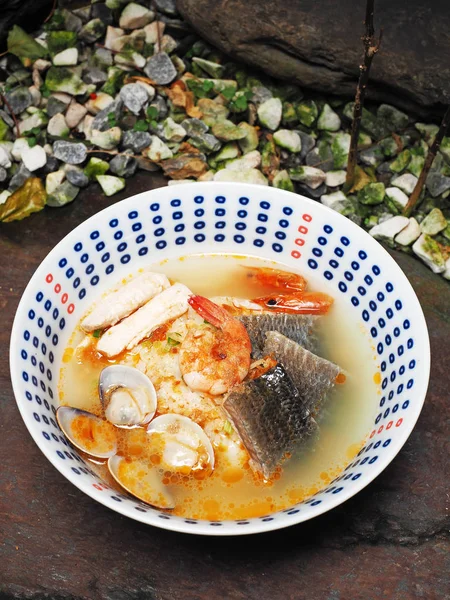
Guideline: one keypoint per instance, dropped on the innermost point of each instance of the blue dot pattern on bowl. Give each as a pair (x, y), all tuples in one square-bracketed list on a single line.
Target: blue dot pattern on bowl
[(148, 232)]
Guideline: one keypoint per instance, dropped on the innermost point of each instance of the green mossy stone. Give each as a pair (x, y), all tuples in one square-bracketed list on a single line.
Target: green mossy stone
[(282, 181), (307, 112), (57, 41), (95, 166), (372, 193), (401, 162)]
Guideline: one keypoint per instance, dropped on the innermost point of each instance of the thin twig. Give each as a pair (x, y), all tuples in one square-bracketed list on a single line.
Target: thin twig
[(16, 122), (158, 30), (52, 12), (414, 198), (371, 47)]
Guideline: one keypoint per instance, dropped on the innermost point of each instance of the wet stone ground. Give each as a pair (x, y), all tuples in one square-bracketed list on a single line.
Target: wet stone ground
[(390, 541)]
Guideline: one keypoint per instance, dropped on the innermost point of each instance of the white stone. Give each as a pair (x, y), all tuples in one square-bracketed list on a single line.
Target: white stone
[(397, 197), (18, 147), (405, 182), (57, 126), (434, 222), (102, 101), (251, 160), (173, 131), (132, 60), (75, 114), (335, 178), (36, 120), (428, 251), (35, 95), (63, 97), (288, 139), (112, 33), (108, 139), (151, 31), (208, 176), (4, 158), (66, 58), (334, 200), (4, 196), (328, 120), (41, 65), (445, 274), (408, 235), (54, 180), (244, 176), (48, 149), (158, 150), (387, 230), (34, 158), (311, 176), (86, 126), (135, 16), (110, 184), (179, 181), (270, 112)]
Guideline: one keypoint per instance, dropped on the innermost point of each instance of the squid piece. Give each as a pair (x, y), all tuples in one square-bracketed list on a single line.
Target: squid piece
[(169, 304), (124, 301)]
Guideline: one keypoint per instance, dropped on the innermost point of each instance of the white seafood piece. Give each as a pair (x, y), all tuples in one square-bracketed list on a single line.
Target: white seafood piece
[(183, 444), (128, 298), (87, 432), (140, 480), (169, 304), (127, 396), (236, 302)]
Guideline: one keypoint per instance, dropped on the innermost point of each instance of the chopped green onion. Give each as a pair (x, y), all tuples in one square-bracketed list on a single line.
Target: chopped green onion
[(173, 342), (228, 428), (97, 333)]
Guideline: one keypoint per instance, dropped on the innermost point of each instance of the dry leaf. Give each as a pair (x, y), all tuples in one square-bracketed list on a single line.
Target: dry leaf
[(360, 180), (29, 198)]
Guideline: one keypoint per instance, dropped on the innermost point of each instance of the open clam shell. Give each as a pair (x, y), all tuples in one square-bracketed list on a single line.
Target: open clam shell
[(87, 432), (140, 480), (184, 444), (127, 396)]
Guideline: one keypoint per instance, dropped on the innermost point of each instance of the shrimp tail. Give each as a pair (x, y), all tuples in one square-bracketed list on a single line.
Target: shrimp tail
[(278, 279), (306, 303), (211, 312)]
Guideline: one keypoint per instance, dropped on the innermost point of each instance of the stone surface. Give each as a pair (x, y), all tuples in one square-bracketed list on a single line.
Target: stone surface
[(317, 44), (389, 541)]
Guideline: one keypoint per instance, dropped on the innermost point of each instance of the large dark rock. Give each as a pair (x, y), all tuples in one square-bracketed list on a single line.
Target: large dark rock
[(317, 44), (27, 13)]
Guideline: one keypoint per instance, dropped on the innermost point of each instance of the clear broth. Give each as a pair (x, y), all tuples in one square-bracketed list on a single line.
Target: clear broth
[(344, 421)]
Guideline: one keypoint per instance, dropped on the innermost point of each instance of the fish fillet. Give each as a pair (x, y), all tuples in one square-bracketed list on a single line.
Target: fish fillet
[(295, 327), (169, 304), (269, 417), (312, 375), (128, 298)]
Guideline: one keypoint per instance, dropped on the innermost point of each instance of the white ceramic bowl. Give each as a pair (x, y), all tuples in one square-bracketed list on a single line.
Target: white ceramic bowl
[(238, 219)]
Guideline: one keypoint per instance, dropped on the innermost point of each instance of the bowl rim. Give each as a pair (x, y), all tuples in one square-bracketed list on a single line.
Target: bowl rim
[(255, 525)]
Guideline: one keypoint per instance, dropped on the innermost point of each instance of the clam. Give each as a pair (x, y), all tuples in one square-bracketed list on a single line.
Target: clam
[(87, 432), (140, 480), (127, 396), (182, 444)]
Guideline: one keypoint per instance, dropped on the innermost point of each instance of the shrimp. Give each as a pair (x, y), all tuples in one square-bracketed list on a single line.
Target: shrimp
[(277, 279), (315, 303), (214, 359)]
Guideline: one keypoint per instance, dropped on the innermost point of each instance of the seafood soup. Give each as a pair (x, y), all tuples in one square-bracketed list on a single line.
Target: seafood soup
[(218, 387)]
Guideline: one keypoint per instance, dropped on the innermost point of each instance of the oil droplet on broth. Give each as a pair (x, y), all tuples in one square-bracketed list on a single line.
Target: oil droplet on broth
[(232, 492)]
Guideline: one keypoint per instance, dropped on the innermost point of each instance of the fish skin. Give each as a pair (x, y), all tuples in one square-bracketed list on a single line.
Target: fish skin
[(269, 417), (295, 327), (312, 375)]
